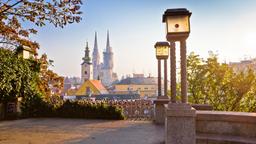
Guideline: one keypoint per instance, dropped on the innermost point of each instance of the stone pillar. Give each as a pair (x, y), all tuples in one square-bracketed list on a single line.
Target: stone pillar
[(180, 117), (159, 115), (183, 66), (173, 72), (165, 77), (180, 124), (159, 78), (161, 101)]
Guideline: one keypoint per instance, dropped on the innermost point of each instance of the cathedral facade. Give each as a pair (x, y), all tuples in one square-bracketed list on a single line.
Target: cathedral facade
[(102, 71)]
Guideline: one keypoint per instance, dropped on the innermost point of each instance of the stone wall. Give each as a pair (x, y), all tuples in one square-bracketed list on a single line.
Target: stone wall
[(214, 127)]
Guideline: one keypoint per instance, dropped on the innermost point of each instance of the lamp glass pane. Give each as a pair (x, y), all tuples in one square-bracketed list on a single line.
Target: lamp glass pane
[(176, 24), (162, 51)]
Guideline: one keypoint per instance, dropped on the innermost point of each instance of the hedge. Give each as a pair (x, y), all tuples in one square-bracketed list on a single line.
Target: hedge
[(36, 107)]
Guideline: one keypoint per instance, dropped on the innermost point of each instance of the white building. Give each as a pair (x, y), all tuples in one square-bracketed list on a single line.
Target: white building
[(103, 71), (86, 66)]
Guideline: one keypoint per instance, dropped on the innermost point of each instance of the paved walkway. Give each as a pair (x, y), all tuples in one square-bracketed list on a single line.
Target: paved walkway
[(79, 131)]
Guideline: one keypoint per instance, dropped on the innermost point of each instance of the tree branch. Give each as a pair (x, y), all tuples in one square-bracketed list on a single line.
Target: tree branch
[(8, 7)]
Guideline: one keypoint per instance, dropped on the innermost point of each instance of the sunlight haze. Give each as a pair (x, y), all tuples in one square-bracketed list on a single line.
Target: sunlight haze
[(227, 28)]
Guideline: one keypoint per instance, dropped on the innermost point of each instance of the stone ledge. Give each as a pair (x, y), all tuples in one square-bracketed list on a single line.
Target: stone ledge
[(223, 139), (161, 101), (180, 113), (241, 117), (180, 110), (204, 107)]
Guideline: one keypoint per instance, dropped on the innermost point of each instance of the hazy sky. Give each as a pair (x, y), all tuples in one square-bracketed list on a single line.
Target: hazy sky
[(226, 27)]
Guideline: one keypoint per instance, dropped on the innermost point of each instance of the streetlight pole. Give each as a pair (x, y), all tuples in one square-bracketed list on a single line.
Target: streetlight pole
[(173, 72), (162, 53), (180, 117), (159, 78), (165, 77), (183, 66)]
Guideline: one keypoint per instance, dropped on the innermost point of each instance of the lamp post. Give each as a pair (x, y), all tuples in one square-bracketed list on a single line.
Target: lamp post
[(162, 53), (180, 117), (178, 29)]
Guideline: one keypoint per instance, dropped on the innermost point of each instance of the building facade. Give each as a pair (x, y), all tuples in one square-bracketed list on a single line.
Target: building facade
[(243, 65), (146, 87), (91, 87)]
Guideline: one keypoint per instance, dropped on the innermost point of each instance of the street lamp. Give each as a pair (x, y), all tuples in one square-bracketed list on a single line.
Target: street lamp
[(178, 29), (177, 23), (162, 53), (180, 117), (162, 50)]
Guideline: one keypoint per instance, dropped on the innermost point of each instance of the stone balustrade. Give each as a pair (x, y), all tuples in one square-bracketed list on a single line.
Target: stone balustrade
[(136, 109), (216, 127)]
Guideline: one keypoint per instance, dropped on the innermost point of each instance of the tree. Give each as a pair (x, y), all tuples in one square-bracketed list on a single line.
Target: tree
[(17, 78), (214, 83), (49, 84), (196, 73), (14, 14)]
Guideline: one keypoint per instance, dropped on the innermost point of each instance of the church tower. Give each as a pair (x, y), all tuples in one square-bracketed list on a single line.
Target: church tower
[(86, 66), (107, 68), (96, 60)]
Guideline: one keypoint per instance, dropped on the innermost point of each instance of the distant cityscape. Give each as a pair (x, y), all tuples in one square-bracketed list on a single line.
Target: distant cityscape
[(98, 78), (99, 81)]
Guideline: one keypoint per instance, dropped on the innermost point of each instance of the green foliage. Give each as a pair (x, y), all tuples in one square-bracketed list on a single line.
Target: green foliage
[(83, 109), (214, 83), (34, 106), (17, 77), (19, 19)]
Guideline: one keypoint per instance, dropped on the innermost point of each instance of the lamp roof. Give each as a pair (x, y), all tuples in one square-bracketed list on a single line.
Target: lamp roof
[(176, 12), (163, 43)]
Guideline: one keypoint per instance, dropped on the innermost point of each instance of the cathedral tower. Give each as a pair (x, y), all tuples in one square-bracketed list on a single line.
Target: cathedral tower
[(86, 66), (96, 60), (107, 68)]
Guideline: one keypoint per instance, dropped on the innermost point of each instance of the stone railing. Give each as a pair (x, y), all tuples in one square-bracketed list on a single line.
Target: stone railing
[(136, 109), (214, 127)]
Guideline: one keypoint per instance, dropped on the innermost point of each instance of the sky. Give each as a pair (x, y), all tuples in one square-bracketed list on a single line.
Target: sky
[(226, 27)]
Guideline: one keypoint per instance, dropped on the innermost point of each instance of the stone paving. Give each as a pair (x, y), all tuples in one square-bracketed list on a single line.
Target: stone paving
[(79, 131)]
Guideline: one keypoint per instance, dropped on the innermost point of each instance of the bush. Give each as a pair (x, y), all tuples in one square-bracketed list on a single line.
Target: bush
[(34, 106), (80, 109)]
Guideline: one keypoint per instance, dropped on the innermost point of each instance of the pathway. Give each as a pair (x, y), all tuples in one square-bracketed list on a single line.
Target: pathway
[(79, 131)]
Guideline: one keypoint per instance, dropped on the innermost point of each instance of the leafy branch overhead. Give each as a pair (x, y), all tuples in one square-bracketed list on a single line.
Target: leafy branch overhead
[(14, 14)]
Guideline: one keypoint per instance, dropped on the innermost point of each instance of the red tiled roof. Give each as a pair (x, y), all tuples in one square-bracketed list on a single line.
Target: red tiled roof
[(98, 85)]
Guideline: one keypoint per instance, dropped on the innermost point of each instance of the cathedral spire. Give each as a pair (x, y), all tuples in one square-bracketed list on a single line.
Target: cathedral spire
[(96, 59), (95, 43), (108, 48), (87, 58), (96, 55)]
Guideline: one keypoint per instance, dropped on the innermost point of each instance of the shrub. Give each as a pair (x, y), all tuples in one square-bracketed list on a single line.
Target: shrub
[(34, 106), (80, 109)]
